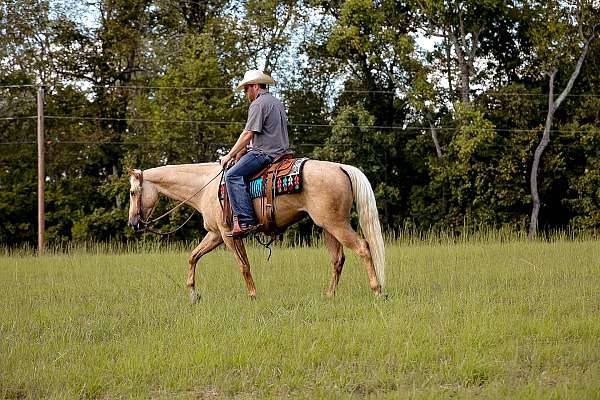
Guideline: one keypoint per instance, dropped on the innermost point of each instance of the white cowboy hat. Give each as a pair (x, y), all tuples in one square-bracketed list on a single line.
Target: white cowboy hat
[(255, 76)]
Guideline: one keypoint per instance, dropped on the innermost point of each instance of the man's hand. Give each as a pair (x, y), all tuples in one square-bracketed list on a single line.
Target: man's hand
[(227, 161)]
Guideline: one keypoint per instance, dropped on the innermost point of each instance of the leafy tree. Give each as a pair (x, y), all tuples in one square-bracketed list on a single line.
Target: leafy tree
[(354, 140), (584, 185), (563, 37), (461, 26), (308, 118), (446, 136), (466, 176)]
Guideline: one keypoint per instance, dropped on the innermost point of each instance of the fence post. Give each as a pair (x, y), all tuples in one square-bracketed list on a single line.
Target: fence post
[(41, 170)]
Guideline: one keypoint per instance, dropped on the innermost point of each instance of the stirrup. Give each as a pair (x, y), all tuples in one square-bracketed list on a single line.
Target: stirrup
[(238, 232)]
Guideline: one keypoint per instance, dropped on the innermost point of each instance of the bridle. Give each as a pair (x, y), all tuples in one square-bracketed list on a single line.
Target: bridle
[(146, 222)]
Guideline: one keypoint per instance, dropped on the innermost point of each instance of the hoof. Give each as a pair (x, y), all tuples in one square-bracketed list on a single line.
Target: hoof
[(382, 296), (194, 297), (329, 295)]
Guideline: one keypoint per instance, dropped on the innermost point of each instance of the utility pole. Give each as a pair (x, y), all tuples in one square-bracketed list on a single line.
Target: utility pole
[(41, 170)]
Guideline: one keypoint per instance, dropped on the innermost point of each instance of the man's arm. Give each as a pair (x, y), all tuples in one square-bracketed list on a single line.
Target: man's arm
[(243, 140)]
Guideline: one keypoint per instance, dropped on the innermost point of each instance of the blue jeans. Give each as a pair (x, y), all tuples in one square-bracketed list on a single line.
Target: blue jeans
[(237, 190)]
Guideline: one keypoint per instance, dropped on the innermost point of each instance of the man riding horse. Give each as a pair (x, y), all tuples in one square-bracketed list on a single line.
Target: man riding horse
[(327, 193), (264, 139)]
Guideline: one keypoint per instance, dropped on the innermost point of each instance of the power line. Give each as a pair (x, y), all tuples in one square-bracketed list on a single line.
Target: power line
[(140, 142), (17, 86), (51, 142), (17, 118), (161, 87), (300, 125), (395, 92), (160, 142), (304, 125), (185, 121)]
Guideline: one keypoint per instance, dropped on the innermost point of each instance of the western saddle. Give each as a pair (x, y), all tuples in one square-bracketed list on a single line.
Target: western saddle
[(282, 176)]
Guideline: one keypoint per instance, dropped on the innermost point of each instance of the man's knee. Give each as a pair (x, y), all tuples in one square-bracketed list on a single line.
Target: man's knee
[(231, 176)]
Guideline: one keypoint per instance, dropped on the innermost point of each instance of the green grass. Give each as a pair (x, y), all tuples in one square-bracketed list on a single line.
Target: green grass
[(479, 319)]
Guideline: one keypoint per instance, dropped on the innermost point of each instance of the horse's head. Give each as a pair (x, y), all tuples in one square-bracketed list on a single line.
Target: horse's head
[(143, 197)]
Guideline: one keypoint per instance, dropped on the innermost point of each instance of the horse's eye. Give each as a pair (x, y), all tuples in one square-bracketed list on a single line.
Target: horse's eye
[(132, 193)]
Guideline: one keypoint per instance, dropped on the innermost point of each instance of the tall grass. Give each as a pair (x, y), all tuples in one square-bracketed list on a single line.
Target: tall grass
[(487, 317), (404, 237)]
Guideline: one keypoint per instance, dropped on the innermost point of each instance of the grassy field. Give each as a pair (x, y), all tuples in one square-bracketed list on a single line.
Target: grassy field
[(481, 319)]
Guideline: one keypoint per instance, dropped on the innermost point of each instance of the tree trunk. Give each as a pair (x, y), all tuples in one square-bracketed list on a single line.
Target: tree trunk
[(115, 171), (533, 224), (432, 128), (448, 47), (552, 107), (465, 75)]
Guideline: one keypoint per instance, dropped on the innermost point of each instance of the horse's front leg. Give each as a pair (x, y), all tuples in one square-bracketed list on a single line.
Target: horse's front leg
[(239, 251), (209, 243)]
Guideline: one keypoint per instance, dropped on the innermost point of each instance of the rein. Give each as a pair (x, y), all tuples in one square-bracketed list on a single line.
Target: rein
[(148, 222), (148, 229), (267, 245)]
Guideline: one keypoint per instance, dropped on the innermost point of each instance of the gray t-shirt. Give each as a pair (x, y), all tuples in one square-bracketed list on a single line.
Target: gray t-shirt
[(268, 120)]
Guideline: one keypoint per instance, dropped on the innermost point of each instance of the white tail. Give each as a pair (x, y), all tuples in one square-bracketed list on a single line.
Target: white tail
[(368, 218)]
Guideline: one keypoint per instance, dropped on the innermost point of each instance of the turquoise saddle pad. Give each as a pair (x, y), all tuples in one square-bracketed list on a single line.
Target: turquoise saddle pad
[(287, 184)]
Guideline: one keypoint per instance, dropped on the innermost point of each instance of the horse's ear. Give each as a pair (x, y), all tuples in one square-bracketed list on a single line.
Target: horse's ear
[(130, 172)]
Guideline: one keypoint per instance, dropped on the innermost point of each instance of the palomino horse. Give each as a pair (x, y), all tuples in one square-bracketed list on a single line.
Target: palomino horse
[(327, 196)]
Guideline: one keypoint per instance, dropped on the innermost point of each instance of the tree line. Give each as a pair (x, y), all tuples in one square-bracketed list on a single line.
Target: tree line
[(463, 114)]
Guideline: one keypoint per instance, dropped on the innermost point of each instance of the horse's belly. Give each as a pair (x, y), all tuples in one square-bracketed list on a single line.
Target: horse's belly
[(288, 209)]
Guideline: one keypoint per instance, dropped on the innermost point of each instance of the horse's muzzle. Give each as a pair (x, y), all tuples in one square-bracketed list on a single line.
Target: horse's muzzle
[(136, 223)]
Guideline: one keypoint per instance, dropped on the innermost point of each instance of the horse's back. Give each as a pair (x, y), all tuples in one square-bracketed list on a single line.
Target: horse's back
[(326, 195), (327, 181)]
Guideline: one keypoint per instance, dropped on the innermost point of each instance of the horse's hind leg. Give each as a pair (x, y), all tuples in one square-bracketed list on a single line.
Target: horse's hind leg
[(349, 238), (209, 243), (336, 252), (239, 251)]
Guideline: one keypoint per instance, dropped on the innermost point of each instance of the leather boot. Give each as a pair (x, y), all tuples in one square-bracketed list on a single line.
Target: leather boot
[(239, 232)]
